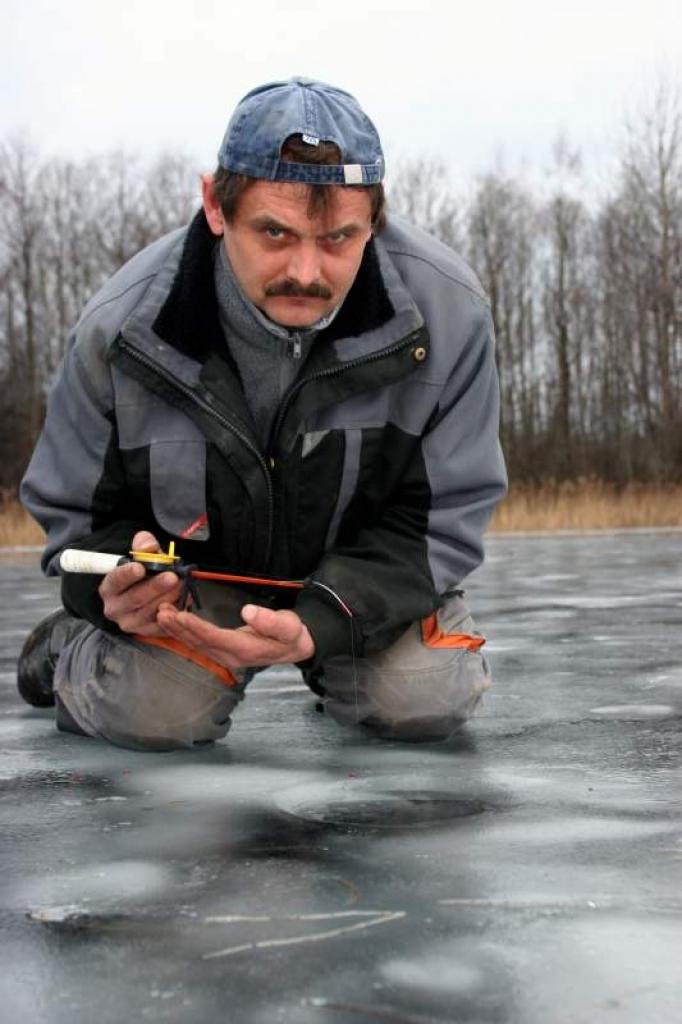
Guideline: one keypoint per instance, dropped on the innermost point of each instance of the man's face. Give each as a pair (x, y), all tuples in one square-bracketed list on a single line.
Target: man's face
[(294, 268)]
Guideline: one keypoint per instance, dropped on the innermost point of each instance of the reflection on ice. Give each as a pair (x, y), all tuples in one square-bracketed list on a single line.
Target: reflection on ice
[(101, 885), (637, 712)]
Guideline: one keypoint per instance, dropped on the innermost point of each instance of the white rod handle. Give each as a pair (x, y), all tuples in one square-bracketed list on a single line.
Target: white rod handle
[(96, 562)]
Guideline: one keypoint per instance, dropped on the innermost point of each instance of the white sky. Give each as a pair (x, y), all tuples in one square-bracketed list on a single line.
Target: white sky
[(472, 81)]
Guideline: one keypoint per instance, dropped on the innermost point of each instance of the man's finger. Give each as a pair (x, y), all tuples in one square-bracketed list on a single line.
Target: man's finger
[(190, 627), (137, 597), (246, 645), (145, 541), (143, 618), (200, 633), (231, 647), (143, 621), (121, 579), (275, 629), (283, 626)]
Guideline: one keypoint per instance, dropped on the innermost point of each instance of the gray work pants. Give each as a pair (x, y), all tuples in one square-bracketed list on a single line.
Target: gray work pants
[(143, 697)]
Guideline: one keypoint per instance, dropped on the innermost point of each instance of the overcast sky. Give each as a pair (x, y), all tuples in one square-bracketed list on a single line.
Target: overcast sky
[(472, 81)]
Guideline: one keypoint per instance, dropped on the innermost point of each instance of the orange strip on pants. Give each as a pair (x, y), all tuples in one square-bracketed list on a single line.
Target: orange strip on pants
[(177, 647), (433, 636)]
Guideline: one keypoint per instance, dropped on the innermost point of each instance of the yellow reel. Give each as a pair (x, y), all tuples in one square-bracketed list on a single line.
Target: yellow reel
[(158, 559)]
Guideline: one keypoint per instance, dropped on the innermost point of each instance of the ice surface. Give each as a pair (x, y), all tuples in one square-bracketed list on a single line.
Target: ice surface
[(528, 871)]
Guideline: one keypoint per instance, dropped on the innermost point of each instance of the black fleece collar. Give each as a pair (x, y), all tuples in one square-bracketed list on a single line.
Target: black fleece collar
[(189, 319)]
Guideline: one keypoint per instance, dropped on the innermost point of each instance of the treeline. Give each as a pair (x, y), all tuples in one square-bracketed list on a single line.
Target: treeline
[(585, 284), (65, 227)]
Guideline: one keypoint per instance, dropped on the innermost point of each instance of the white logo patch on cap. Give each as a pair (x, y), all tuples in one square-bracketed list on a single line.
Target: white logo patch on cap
[(352, 174)]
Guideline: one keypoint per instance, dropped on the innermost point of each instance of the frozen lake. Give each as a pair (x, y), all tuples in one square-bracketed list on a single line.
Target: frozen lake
[(529, 871)]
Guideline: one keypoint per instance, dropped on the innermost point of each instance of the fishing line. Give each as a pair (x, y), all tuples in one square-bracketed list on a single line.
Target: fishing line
[(349, 613)]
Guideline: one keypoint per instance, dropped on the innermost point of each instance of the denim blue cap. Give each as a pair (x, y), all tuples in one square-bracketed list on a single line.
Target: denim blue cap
[(268, 115)]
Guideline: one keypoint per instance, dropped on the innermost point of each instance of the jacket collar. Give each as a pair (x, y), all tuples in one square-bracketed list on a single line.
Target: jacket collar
[(177, 323)]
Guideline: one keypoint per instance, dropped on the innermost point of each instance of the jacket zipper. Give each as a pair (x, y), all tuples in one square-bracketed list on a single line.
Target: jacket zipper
[(333, 371), (205, 405), (295, 347)]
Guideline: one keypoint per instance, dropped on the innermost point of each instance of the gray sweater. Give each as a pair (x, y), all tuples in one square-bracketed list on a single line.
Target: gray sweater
[(269, 357)]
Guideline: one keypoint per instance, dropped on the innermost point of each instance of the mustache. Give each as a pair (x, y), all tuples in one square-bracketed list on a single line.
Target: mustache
[(292, 289)]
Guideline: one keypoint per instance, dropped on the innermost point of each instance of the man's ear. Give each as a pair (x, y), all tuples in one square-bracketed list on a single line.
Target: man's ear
[(211, 206)]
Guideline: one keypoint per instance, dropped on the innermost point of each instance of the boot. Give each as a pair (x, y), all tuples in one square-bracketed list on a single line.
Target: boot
[(38, 658)]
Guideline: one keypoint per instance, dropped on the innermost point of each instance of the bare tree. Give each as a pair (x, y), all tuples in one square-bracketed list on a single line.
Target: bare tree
[(502, 229), (23, 342), (421, 192), (568, 309), (64, 228), (642, 243)]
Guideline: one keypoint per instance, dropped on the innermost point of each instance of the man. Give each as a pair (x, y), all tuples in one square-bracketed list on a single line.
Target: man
[(290, 388)]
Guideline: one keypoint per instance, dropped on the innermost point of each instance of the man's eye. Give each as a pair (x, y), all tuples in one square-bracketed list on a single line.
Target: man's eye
[(273, 232), (336, 237)]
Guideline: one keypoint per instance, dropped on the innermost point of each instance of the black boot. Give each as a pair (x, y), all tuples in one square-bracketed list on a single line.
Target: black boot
[(38, 658)]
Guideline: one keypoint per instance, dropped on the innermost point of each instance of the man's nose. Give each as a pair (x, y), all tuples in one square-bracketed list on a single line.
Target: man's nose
[(304, 263)]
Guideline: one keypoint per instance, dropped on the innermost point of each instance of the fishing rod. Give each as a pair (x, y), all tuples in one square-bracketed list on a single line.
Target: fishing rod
[(99, 563)]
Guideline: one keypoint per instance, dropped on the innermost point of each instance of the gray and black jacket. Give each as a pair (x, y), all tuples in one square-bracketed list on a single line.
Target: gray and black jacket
[(383, 464)]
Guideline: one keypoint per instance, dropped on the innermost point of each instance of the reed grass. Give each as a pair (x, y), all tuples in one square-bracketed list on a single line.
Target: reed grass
[(588, 505), (579, 505), (17, 529)]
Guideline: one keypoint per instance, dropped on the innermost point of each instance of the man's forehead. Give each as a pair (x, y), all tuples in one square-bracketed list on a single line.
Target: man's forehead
[(290, 202)]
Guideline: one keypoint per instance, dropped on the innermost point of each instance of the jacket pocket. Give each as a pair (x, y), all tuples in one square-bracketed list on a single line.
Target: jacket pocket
[(177, 471)]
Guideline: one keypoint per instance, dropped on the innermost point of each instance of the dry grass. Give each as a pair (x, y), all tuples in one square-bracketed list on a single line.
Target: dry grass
[(584, 505), (588, 505), (17, 529)]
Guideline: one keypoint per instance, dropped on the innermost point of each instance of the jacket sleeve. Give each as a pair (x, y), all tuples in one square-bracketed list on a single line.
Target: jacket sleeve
[(74, 485), (429, 536)]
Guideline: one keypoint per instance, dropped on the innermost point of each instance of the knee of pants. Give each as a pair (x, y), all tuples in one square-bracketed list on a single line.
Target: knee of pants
[(416, 689), (416, 706), (141, 697)]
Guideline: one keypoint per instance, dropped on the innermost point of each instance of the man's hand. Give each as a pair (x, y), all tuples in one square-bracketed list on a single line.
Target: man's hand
[(131, 599), (268, 638)]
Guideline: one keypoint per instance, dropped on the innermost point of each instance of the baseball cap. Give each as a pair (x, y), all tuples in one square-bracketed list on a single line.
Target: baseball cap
[(268, 115)]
